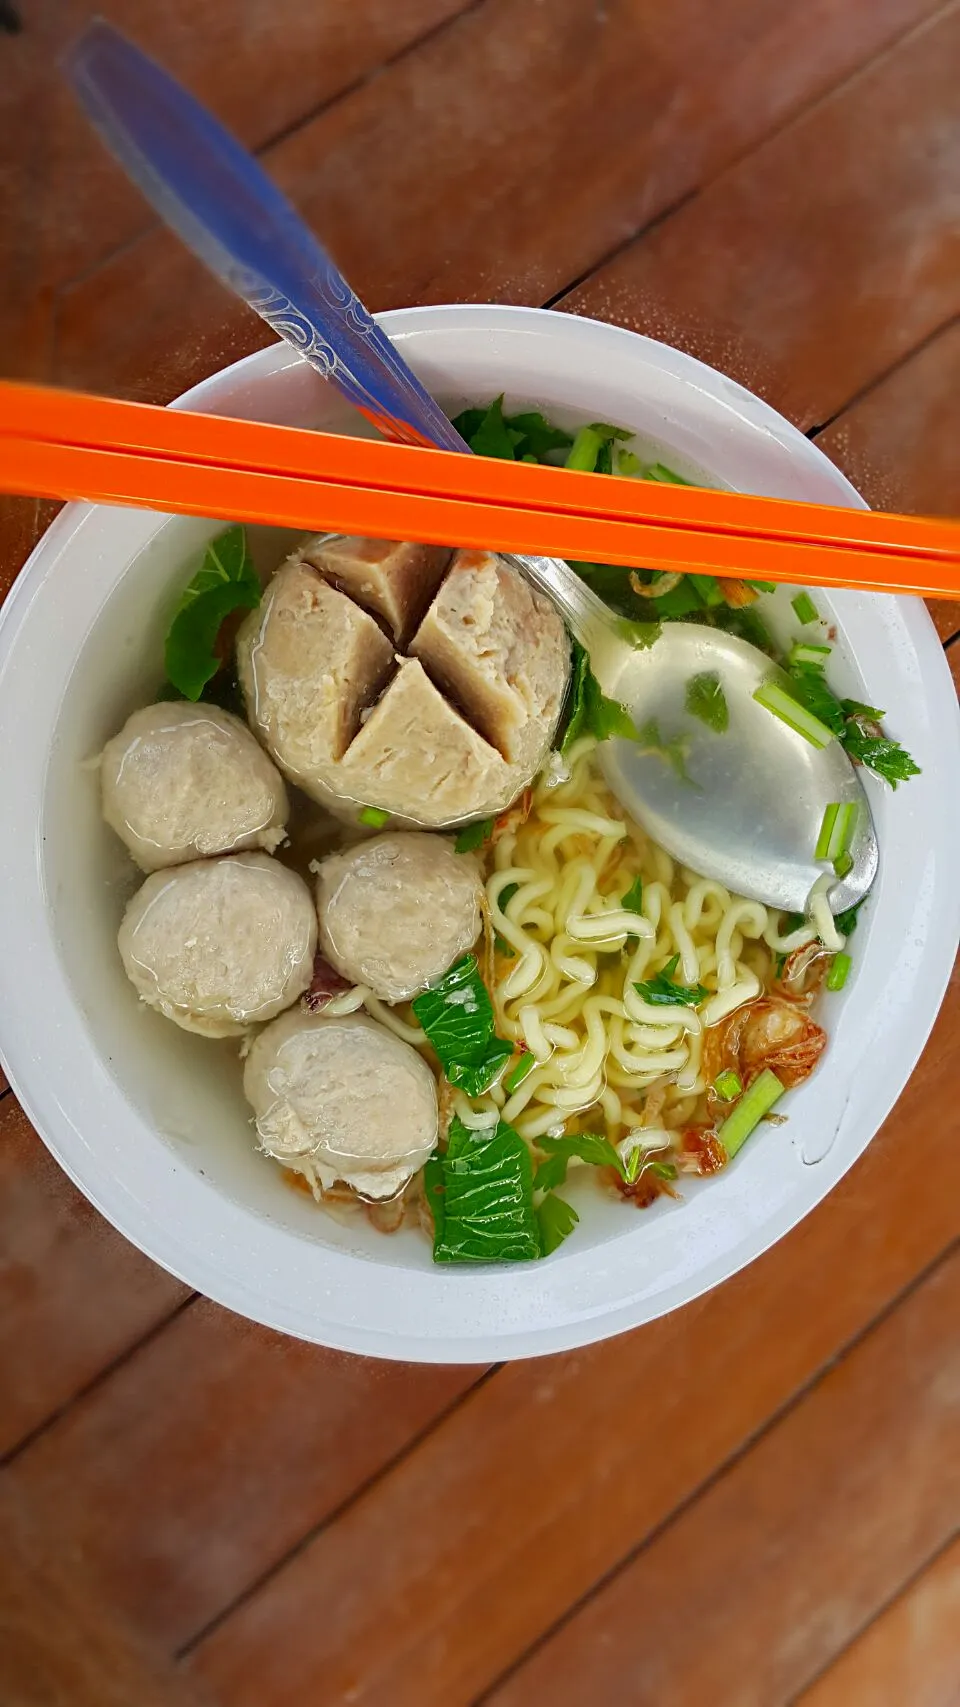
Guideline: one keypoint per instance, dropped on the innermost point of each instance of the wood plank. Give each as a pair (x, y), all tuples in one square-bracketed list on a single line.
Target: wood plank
[(778, 1564), (210, 1453), (898, 443), (67, 206), (59, 1645), (438, 1578), (73, 1293), (909, 1654), (500, 161), (824, 257)]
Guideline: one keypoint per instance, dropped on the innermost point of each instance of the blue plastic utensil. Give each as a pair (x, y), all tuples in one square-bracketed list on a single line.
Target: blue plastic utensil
[(224, 207)]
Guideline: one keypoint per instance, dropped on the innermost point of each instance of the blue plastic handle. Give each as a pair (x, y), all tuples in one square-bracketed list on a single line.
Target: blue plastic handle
[(222, 204)]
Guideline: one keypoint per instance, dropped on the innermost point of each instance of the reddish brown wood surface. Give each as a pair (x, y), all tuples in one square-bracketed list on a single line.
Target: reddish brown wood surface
[(752, 1499), (911, 1653)]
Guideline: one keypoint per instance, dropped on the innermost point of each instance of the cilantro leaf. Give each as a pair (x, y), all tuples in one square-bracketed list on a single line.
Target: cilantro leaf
[(856, 708), (879, 753), (555, 1219), (591, 712), (705, 699), (633, 900), (591, 1147), (473, 836), (661, 991), (481, 1194), (225, 582), (457, 1015)]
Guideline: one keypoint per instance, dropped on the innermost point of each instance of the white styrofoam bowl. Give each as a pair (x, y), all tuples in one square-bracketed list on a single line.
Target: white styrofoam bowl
[(150, 1122)]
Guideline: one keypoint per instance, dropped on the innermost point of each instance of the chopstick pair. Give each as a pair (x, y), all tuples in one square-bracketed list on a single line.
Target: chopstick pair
[(60, 444)]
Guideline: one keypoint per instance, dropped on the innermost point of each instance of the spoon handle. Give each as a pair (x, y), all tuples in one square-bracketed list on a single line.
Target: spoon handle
[(225, 208)]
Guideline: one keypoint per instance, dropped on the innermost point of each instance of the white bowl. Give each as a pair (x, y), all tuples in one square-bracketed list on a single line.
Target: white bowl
[(150, 1123)]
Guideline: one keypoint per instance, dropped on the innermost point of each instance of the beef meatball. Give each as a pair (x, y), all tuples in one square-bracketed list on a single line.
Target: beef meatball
[(342, 1099), (220, 944), (183, 781), (396, 911)]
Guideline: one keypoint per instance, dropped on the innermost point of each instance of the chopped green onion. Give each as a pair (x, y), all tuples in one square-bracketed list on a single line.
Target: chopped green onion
[(666, 476), (585, 450), (839, 971), (776, 699), (836, 830), (727, 1085), (750, 1110), (517, 1074), (627, 462), (763, 586), (843, 863), (805, 608), (373, 817), (806, 652)]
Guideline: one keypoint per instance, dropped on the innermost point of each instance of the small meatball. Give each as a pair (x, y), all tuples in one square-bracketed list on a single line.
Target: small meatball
[(309, 661), (344, 1098), (221, 944), (501, 651), (396, 912), (387, 576), (183, 781)]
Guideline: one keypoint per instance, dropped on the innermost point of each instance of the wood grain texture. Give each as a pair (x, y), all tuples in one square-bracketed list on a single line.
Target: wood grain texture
[(73, 1293), (824, 257), (909, 1654), (60, 1646), (435, 1581), (794, 1548), (898, 443), (498, 163), (211, 1452)]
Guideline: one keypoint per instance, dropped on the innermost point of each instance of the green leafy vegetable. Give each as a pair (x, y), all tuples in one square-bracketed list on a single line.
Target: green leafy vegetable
[(809, 688), (839, 971), (457, 1015), (473, 836), (633, 900), (374, 817), (879, 753), (846, 922), (517, 1074), (662, 1170), (481, 1194), (708, 588), (674, 753), (750, 1110), (856, 708), (661, 991), (591, 712), (539, 438), (555, 1220), (490, 435), (806, 610), (225, 582), (591, 1147), (705, 699)]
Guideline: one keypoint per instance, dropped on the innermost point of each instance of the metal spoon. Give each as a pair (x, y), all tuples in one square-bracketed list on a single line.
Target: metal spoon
[(744, 807)]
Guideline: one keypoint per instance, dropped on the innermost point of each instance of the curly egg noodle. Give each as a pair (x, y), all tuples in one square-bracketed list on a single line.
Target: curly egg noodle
[(567, 992)]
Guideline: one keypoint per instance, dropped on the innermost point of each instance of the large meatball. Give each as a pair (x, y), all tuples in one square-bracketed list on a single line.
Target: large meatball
[(396, 911), (183, 781), (342, 1098), (453, 730), (221, 944)]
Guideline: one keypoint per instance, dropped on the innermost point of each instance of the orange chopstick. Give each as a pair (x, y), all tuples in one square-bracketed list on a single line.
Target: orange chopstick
[(65, 445)]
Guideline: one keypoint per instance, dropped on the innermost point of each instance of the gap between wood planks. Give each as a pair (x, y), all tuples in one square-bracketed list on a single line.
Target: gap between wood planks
[(722, 1469)]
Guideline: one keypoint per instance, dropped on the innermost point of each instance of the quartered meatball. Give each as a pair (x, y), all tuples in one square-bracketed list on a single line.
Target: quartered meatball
[(309, 661), (397, 911), (342, 1098), (220, 944), (183, 781), (389, 577)]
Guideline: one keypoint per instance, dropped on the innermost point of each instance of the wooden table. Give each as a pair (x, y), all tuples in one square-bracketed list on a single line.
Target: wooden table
[(753, 1502)]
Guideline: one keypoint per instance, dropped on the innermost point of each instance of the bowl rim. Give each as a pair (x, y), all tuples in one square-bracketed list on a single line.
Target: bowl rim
[(501, 1304)]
